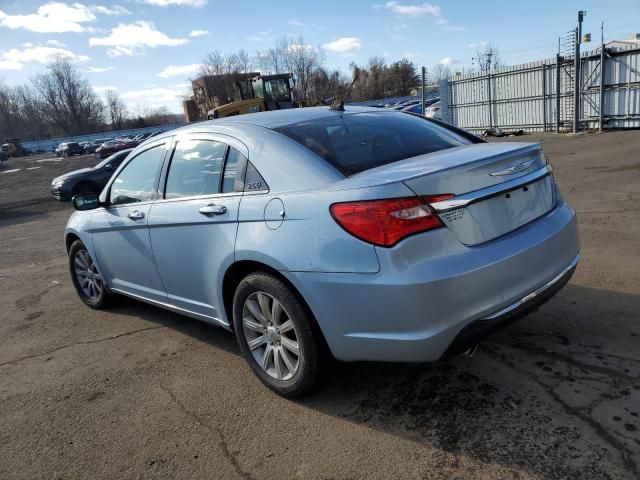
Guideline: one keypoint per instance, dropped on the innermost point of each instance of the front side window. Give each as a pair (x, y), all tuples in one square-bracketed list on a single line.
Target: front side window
[(195, 168), (137, 181)]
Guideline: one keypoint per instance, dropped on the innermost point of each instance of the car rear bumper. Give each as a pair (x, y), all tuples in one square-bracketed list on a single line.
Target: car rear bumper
[(421, 305), (478, 329)]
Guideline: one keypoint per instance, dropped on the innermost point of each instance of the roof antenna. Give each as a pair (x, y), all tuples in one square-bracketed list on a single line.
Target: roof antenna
[(338, 102)]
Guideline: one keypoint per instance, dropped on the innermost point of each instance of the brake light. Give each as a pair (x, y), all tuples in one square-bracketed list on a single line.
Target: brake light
[(386, 222)]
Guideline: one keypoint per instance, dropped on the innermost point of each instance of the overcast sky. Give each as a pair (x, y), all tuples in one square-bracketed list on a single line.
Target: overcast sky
[(148, 49)]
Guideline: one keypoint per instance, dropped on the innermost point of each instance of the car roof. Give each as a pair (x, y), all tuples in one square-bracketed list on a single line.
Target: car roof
[(271, 119), (278, 118)]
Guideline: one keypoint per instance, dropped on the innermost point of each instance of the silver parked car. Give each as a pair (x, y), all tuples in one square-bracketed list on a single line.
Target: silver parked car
[(371, 234)]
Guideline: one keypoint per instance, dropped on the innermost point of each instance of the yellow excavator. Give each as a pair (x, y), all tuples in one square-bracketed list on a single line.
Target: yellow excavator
[(264, 92)]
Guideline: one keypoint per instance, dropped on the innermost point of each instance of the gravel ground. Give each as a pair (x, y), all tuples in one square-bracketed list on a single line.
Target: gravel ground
[(137, 392)]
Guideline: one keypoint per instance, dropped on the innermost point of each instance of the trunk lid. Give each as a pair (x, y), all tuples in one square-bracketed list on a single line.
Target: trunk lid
[(497, 187)]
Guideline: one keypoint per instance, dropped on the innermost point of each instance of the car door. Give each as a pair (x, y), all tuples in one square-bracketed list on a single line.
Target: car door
[(193, 227), (120, 230)]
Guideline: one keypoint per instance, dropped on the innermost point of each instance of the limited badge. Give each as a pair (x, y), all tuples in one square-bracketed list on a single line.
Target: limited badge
[(453, 215)]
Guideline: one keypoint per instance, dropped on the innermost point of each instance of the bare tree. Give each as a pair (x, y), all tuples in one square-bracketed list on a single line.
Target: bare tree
[(403, 77), (327, 84), (213, 63), (116, 109), (377, 79), (244, 63), (20, 113), (488, 57), (295, 56), (439, 72), (31, 121), (68, 99), (8, 111)]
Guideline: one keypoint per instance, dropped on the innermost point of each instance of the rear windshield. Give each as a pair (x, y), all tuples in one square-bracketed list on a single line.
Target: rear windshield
[(360, 141)]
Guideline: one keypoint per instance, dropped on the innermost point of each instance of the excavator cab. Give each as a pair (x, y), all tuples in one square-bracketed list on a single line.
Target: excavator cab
[(264, 92), (274, 89)]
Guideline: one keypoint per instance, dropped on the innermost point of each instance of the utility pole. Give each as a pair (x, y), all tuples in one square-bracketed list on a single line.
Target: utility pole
[(424, 84), (603, 59), (489, 55), (558, 66), (577, 81)]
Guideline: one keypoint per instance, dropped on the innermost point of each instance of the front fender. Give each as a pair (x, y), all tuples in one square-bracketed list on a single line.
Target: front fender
[(79, 225)]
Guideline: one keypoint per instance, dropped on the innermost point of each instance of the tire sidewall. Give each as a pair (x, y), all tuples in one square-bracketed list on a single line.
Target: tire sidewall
[(102, 300), (305, 376)]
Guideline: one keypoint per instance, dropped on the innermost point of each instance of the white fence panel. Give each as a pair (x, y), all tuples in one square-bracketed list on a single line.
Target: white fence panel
[(538, 96)]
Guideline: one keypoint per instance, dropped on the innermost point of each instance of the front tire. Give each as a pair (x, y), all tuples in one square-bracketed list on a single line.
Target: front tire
[(275, 334), (86, 279)]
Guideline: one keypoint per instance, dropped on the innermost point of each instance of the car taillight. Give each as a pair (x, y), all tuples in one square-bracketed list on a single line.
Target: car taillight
[(386, 222)]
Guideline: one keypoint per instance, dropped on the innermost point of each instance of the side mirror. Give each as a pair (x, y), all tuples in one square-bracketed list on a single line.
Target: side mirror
[(86, 201)]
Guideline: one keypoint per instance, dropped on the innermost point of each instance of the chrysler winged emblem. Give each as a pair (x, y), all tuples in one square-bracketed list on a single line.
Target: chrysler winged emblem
[(513, 170)]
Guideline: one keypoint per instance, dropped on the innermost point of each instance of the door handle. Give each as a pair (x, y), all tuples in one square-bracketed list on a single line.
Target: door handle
[(136, 215), (213, 209)]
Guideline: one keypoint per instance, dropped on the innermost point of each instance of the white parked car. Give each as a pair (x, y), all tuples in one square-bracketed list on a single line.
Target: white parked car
[(433, 111)]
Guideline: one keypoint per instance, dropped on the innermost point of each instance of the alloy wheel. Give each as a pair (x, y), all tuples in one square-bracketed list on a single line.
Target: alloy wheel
[(270, 335), (88, 277)]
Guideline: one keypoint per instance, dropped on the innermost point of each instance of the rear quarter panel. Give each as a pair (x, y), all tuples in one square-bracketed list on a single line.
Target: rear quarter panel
[(307, 239)]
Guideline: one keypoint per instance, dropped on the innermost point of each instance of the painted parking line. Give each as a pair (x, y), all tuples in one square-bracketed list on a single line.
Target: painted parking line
[(32, 168), (14, 170), (49, 160)]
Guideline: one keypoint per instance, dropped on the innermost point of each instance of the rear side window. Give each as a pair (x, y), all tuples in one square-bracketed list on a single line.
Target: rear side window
[(231, 180), (195, 169), (360, 141), (253, 181)]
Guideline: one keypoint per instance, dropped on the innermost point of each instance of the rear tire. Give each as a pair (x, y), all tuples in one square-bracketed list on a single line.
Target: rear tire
[(86, 279), (275, 334)]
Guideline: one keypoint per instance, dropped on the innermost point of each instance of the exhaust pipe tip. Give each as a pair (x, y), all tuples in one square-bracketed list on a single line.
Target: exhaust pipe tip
[(471, 351)]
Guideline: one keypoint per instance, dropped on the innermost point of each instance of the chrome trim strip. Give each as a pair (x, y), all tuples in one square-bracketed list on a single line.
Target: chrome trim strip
[(514, 169), (536, 292), (173, 308), (468, 198), (208, 196)]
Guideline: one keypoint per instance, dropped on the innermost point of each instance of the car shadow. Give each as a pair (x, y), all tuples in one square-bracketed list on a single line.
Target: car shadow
[(213, 335), (29, 210), (532, 398)]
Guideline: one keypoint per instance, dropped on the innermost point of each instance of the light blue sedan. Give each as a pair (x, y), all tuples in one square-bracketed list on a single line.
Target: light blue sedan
[(365, 234)]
